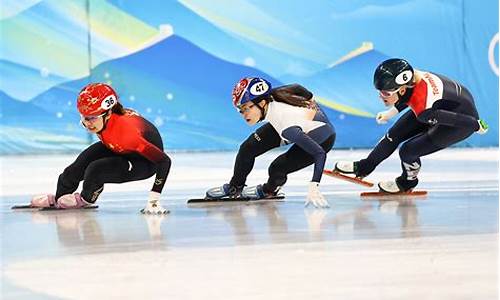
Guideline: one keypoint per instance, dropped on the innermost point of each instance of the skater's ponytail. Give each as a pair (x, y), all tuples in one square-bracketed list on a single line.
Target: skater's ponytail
[(120, 110), (293, 94)]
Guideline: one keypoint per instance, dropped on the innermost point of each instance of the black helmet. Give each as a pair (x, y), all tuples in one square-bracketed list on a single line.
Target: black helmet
[(392, 74)]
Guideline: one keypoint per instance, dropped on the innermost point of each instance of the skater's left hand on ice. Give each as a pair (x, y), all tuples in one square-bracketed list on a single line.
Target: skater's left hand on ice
[(315, 197), (154, 206)]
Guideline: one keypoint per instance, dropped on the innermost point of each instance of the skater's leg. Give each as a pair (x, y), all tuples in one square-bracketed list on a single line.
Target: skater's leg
[(116, 169), (435, 139), (264, 139), (293, 160), (70, 179), (410, 153), (405, 127)]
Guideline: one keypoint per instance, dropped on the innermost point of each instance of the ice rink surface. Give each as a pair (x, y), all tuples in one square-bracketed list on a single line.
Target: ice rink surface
[(441, 246)]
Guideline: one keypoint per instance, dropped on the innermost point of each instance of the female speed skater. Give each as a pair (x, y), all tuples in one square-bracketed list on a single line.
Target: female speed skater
[(130, 148), (293, 117), (442, 113)]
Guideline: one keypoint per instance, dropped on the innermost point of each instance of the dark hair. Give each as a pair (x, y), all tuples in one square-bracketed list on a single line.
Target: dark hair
[(293, 94), (119, 109)]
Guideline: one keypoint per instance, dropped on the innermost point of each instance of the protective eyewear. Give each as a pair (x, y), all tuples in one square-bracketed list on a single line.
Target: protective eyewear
[(91, 119), (386, 94), (245, 109)]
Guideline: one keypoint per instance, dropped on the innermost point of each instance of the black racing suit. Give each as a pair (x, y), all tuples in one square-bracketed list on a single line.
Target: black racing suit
[(442, 113), (130, 149)]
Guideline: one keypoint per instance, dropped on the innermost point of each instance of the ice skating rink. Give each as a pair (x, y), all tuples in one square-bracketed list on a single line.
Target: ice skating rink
[(442, 246)]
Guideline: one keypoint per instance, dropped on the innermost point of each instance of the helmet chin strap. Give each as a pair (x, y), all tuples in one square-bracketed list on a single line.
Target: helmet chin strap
[(262, 109), (404, 98), (105, 119), (262, 113)]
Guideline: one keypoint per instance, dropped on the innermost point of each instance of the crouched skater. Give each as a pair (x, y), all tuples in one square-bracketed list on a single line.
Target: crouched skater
[(442, 113), (292, 117), (130, 148)]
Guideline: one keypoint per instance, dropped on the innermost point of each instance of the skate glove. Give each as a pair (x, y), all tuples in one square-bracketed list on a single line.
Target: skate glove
[(483, 127)]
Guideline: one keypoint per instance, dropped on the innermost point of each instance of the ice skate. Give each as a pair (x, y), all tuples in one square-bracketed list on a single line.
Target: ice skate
[(43, 200), (345, 167), (228, 194), (390, 187), (69, 201), (225, 191), (356, 180), (46, 202), (396, 188), (257, 193)]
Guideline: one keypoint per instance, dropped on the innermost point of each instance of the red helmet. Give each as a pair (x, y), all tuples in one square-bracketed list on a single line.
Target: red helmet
[(95, 99)]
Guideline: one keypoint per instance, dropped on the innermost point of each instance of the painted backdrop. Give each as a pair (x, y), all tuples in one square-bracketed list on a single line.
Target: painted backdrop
[(176, 62)]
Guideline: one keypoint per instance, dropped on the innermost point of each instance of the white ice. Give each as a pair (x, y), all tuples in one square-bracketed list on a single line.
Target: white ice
[(444, 246)]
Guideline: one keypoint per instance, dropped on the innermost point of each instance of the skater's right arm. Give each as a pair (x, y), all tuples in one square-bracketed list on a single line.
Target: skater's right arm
[(384, 116), (400, 106), (296, 135), (160, 158), (163, 163)]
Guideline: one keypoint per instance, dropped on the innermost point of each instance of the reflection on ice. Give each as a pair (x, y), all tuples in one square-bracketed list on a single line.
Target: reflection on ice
[(396, 248)]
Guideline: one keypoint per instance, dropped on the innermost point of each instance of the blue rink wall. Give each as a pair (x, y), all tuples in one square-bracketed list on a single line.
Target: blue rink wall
[(176, 62)]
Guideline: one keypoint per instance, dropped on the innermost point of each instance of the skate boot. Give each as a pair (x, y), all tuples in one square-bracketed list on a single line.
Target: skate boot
[(44, 200), (398, 186), (226, 190), (390, 187), (349, 167), (360, 169), (257, 192), (71, 201), (345, 166)]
